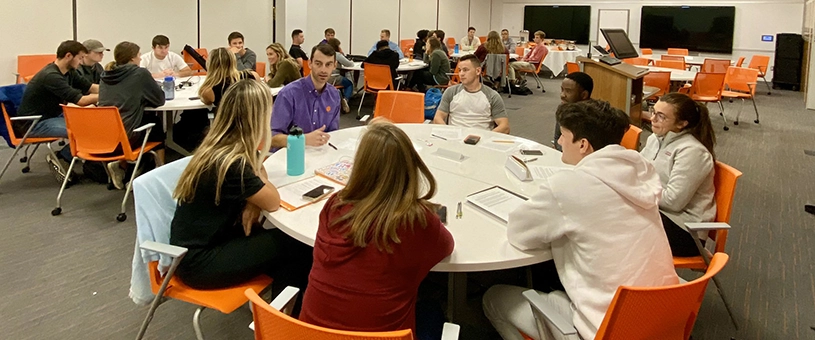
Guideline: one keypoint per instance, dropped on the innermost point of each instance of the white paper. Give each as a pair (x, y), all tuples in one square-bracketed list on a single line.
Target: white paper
[(449, 134), (496, 201), (293, 193), (498, 146), (543, 172)]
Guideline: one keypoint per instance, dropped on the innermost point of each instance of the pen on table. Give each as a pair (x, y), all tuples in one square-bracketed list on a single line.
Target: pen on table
[(437, 136), (531, 160), (458, 211), (332, 146), (503, 141)]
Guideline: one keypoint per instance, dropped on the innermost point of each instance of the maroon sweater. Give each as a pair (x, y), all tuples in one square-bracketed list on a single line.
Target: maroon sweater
[(363, 289)]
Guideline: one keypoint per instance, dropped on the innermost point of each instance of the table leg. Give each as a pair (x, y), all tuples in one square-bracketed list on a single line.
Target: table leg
[(169, 121), (456, 296)]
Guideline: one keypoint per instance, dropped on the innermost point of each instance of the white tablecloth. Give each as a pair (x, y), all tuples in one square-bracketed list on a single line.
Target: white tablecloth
[(556, 60), (676, 75), (404, 66)]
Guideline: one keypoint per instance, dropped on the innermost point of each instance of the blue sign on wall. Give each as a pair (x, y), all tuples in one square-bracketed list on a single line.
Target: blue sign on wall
[(767, 38)]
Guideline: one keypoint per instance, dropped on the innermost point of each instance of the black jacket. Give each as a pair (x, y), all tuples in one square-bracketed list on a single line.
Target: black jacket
[(388, 57), (131, 89)]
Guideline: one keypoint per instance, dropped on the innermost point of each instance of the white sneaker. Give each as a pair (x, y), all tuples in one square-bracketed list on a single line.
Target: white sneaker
[(57, 166), (117, 174), (345, 107)]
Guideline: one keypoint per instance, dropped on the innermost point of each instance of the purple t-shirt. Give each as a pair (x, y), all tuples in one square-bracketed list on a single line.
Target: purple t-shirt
[(299, 103)]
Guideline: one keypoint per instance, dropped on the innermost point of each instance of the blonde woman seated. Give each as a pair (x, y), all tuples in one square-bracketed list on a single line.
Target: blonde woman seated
[(222, 72), (377, 239), (283, 69), (493, 45), (221, 194)]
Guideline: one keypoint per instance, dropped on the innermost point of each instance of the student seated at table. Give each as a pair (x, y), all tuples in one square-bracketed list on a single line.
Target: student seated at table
[(246, 58), (56, 83), (222, 72), (470, 42), (420, 45), (295, 51), (439, 68), (309, 102), (531, 59), (370, 256), (576, 87), (91, 67), (131, 88), (327, 35), (283, 69), (220, 196), (507, 41), (385, 55), (493, 45), (162, 62), (681, 149), (439, 34), (385, 35), (470, 104), (339, 79), (600, 220)]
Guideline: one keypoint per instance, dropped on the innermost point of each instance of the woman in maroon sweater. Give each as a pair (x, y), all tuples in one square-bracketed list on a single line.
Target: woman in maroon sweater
[(377, 239)]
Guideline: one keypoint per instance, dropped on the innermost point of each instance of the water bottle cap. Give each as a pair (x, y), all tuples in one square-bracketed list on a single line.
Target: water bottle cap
[(295, 131), (169, 78)]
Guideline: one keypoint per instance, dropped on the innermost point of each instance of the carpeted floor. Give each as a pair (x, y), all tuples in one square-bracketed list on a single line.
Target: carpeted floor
[(67, 277)]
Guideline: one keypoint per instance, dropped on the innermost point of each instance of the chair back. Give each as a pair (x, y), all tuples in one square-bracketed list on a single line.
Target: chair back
[(678, 51), (483, 39), (672, 57), (646, 51), (29, 65), (495, 73), (95, 130), (660, 80), (260, 68), (405, 45), (740, 62), (631, 139), (674, 64), (724, 180), (195, 67), (306, 68), (400, 106), (572, 67), (272, 324), (667, 312), (760, 63), (715, 65), (10, 98), (707, 85), (377, 77), (451, 44), (741, 79), (637, 61), (455, 78)]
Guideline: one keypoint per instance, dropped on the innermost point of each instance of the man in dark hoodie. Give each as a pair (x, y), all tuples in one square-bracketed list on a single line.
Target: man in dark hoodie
[(384, 55), (131, 89)]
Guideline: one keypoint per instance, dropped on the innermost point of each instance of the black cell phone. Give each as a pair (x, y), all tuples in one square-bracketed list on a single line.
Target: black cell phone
[(442, 212), (194, 98), (532, 152), (317, 193), (472, 139)]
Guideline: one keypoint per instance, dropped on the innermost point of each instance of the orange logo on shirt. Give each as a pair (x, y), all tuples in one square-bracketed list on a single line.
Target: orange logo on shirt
[(328, 109)]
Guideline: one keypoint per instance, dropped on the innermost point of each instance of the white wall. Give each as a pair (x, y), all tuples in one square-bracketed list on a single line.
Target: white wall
[(219, 18), (323, 14), (416, 15), (453, 18)]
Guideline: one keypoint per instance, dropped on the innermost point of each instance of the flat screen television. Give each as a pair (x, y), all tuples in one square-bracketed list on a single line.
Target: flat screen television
[(620, 44), (697, 28), (559, 22)]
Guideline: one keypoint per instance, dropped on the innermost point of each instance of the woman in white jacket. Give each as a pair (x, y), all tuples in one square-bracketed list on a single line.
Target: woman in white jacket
[(681, 150)]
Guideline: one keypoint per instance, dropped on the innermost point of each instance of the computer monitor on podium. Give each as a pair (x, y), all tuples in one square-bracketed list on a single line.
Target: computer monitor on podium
[(620, 44)]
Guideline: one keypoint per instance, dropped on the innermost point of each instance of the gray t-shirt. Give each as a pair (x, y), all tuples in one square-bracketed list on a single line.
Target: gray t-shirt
[(472, 109)]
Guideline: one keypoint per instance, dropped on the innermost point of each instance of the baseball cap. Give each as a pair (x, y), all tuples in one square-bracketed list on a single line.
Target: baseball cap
[(94, 46)]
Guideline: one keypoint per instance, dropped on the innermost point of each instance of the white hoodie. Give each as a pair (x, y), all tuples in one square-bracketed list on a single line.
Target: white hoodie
[(602, 222)]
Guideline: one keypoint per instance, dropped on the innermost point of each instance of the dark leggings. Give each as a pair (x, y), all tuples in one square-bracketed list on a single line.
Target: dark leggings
[(680, 240)]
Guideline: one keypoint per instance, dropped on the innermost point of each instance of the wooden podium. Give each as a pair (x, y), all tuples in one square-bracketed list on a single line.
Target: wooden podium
[(620, 85)]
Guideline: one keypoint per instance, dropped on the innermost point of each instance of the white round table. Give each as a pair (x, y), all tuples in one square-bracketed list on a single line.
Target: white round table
[(676, 75), (556, 60), (404, 66), (690, 60), (480, 240), (463, 53)]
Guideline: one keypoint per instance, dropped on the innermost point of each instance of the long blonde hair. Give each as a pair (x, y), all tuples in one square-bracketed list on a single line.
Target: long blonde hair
[(240, 129), (386, 188), (493, 44), (282, 56), (221, 66)]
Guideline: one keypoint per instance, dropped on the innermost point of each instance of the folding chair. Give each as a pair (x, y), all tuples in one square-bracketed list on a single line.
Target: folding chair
[(29, 65), (761, 63), (272, 322), (376, 78), (97, 134), (741, 82), (400, 106)]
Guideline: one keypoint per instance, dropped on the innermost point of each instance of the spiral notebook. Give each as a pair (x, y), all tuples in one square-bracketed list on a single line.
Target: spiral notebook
[(338, 172)]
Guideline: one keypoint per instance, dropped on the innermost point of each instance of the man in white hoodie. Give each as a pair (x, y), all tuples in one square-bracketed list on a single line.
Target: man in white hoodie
[(600, 219)]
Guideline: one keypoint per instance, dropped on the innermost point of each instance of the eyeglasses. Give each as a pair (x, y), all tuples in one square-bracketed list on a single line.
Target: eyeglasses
[(657, 116)]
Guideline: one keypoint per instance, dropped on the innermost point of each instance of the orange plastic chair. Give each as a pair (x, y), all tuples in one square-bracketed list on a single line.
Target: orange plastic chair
[(25, 141), (400, 106), (637, 61), (631, 139), (405, 45), (761, 63), (196, 69), (95, 134), (519, 51), (260, 68), (715, 65), (27, 79), (660, 80), (572, 67), (376, 78), (707, 88), (646, 51), (451, 44), (535, 74), (674, 64), (678, 51), (740, 62), (482, 39), (306, 68), (741, 82), (640, 313), (29, 65)]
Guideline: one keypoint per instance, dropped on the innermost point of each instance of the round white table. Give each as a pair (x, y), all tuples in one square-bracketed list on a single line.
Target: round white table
[(556, 60), (676, 75), (690, 60), (404, 66), (463, 53), (480, 240)]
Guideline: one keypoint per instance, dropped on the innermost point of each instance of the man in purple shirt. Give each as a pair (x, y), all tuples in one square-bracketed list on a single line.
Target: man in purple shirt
[(309, 102)]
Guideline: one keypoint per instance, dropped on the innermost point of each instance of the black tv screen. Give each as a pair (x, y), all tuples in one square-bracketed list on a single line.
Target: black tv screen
[(559, 22), (697, 28)]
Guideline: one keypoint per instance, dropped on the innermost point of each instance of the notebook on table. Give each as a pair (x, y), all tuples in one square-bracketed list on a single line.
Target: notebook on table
[(496, 201)]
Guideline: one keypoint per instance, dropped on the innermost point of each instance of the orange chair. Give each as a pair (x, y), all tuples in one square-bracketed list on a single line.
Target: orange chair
[(194, 66), (482, 39), (519, 51), (400, 106), (306, 68), (451, 44), (740, 82), (740, 62), (715, 65), (405, 45), (637, 61), (674, 64), (272, 322), (534, 73), (29, 65), (646, 51), (631, 139), (639, 313), (707, 88), (260, 68), (660, 80), (678, 51), (376, 78), (27, 79), (25, 141), (761, 63), (572, 67), (98, 134)]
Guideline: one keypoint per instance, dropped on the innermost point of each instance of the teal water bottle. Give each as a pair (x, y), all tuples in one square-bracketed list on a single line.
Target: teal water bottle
[(295, 152)]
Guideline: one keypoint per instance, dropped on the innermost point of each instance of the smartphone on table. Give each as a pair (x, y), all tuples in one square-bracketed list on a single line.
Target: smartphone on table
[(532, 152), (318, 193)]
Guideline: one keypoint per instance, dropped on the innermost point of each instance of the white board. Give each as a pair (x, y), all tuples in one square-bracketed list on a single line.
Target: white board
[(611, 18)]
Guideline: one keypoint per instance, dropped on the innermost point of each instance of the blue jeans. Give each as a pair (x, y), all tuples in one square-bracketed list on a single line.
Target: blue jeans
[(53, 127), (347, 86)]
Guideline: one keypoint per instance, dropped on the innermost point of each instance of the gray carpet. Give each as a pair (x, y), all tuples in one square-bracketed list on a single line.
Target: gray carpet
[(67, 277)]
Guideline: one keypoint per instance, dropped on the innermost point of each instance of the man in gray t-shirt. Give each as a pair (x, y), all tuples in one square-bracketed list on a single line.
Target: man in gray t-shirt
[(470, 104)]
